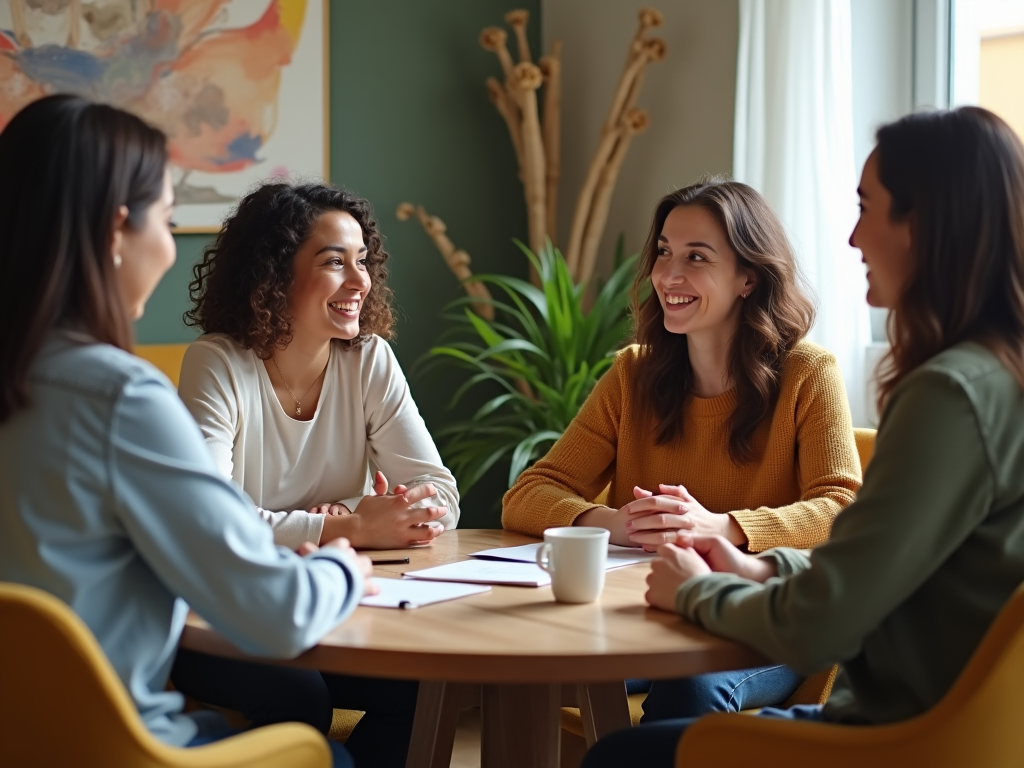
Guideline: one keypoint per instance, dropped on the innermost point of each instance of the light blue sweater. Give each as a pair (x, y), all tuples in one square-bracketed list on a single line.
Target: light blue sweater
[(110, 500)]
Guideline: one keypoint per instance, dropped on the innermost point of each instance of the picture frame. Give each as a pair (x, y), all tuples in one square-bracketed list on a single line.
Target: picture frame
[(240, 87)]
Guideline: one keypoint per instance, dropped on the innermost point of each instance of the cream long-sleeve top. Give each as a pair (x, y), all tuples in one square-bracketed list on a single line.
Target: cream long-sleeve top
[(365, 420)]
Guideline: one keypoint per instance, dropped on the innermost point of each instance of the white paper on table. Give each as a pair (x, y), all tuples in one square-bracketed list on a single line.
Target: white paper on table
[(394, 592), (486, 572), (618, 557)]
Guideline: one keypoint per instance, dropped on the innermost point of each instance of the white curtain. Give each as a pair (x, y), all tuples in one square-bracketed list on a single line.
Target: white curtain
[(793, 142)]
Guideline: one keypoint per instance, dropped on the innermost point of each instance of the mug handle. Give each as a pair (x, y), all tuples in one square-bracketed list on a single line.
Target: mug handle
[(544, 557)]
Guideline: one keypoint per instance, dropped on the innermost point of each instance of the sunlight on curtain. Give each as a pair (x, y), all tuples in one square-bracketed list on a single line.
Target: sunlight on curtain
[(793, 142)]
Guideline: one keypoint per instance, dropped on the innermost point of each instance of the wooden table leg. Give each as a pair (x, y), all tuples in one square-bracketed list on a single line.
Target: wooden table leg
[(520, 726), (437, 715), (604, 708)]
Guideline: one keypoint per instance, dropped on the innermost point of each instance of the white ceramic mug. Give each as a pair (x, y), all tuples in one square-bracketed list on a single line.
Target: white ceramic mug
[(575, 558)]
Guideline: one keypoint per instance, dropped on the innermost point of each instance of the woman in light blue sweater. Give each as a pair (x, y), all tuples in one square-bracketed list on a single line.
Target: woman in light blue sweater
[(109, 498), (933, 546)]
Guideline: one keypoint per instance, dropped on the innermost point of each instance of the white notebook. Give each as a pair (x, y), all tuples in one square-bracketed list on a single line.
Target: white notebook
[(618, 557), (406, 594), (485, 572)]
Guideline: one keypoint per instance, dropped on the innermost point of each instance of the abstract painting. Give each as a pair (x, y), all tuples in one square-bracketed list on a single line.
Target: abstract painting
[(238, 86)]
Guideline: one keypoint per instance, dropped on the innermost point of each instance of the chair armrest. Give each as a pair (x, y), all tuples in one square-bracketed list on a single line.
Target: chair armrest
[(293, 744)]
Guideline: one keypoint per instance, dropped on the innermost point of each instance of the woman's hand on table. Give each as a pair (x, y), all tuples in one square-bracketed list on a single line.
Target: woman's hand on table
[(669, 570), (722, 556), (697, 555), (385, 520), (657, 518), (362, 562)]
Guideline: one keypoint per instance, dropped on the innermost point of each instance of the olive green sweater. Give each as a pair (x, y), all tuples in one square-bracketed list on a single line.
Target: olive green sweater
[(916, 569)]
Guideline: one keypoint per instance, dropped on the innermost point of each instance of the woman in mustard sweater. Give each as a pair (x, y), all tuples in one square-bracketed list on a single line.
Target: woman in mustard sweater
[(721, 420)]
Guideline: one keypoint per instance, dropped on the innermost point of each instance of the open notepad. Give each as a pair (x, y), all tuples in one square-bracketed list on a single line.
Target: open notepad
[(515, 566), (402, 593), (618, 557), (485, 572)]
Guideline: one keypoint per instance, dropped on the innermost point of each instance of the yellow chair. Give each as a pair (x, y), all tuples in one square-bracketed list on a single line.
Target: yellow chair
[(977, 723), (166, 357), (865, 439), (48, 655)]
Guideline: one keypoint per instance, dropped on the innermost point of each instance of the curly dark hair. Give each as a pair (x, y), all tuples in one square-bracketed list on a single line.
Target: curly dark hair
[(775, 317), (240, 288)]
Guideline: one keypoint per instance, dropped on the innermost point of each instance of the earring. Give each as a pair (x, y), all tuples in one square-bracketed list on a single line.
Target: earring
[(117, 261), (744, 295)]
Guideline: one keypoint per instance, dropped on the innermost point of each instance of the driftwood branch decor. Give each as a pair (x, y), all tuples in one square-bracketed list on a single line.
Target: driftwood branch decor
[(456, 259), (536, 139)]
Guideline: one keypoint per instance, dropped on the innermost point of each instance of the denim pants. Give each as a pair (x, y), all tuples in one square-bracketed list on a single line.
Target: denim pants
[(718, 692), (266, 694), (213, 727), (653, 745)]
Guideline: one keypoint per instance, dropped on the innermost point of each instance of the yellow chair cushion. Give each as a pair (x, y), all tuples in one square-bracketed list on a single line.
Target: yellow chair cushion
[(45, 647), (344, 721), (166, 357), (977, 722), (573, 722)]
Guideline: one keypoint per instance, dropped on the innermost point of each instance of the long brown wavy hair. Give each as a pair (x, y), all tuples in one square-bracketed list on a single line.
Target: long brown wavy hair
[(240, 288), (959, 178), (67, 165), (774, 317)]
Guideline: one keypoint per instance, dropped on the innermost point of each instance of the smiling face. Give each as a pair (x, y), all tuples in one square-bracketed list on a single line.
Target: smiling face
[(697, 276), (330, 280), (885, 244)]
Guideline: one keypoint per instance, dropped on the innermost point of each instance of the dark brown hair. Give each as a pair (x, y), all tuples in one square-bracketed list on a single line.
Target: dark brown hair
[(774, 317), (959, 177), (241, 285), (67, 165)]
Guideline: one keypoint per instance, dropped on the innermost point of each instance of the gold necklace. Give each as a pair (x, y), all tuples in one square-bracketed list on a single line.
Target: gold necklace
[(298, 400)]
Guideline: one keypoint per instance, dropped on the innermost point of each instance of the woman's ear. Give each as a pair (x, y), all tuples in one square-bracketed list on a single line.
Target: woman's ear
[(117, 236), (749, 283)]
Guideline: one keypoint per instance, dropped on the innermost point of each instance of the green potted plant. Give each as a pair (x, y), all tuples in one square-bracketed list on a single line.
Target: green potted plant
[(537, 360)]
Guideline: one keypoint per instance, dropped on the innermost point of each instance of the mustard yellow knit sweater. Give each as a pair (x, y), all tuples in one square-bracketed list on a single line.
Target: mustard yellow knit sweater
[(807, 473)]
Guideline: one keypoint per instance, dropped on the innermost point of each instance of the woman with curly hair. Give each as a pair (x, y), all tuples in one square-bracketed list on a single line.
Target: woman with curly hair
[(721, 420), (300, 398)]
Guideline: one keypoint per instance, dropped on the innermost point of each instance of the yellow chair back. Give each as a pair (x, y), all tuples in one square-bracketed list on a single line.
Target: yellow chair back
[(865, 439), (48, 658), (977, 723), (166, 357)]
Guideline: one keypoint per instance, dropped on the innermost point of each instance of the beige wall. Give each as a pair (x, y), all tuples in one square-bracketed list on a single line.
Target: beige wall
[(689, 96), (1000, 70)]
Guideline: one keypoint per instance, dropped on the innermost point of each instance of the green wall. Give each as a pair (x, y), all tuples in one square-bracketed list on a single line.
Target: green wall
[(410, 120)]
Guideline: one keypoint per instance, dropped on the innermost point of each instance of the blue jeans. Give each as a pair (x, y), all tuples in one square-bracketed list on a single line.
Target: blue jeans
[(266, 694), (653, 745), (214, 727), (717, 692)]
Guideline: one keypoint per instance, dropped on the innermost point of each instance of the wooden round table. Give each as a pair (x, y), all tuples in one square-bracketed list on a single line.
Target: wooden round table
[(513, 650)]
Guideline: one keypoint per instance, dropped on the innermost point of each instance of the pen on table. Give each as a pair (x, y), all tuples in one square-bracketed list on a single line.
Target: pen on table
[(407, 605), (390, 561)]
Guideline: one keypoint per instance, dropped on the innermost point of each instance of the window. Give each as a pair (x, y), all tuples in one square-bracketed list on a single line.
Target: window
[(988, 57)]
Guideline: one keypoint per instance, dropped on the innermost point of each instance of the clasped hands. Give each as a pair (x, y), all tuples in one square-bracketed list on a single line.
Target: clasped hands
[(653, 519), (384, 520), (690, 541)]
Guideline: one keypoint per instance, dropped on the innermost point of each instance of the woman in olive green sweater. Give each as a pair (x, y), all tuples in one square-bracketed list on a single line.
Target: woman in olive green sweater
[(934, 544)]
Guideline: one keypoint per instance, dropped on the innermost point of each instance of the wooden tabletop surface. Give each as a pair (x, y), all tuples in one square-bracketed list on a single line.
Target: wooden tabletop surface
[(510, 634)]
